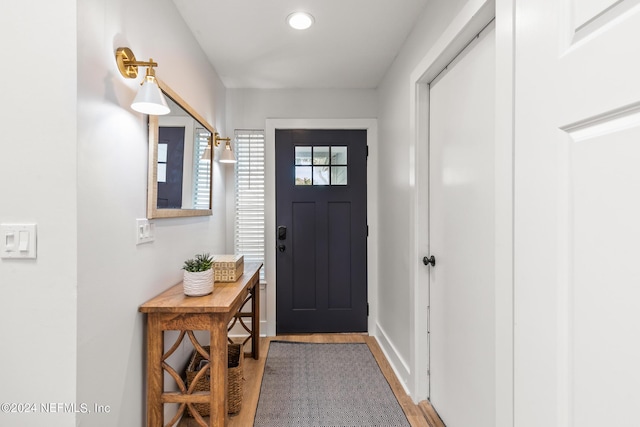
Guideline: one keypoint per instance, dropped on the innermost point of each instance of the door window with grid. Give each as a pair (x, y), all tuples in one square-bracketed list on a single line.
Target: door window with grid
[(321, 165)]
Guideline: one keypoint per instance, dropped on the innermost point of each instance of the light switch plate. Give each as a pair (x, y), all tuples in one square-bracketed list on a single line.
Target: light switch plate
[(18, 241), (145, 231)]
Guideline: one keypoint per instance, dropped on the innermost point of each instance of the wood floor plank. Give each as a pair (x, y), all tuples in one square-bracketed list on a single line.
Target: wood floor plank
[(411, 410), (253, 370), (433, 419)]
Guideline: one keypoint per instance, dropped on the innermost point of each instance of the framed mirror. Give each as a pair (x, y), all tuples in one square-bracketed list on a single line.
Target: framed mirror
[(180, 165)]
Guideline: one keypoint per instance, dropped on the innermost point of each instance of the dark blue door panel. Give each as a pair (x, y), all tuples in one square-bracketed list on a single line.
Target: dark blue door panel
[(170, 190), (322, 258)]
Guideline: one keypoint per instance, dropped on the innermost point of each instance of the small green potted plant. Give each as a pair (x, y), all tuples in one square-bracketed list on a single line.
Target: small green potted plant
[(198, 275)]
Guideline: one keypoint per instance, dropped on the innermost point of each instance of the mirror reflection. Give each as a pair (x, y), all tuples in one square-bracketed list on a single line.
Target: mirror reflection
[(179, 162)]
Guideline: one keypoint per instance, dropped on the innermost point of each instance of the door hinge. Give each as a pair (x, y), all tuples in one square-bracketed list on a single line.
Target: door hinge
[(367, 151), (367, 230), (367, 309)]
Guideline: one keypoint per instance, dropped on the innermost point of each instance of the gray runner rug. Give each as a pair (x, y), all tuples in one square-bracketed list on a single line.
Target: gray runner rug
[(325, 385)]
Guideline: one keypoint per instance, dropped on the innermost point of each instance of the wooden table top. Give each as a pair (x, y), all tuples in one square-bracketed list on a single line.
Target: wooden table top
[(224, 297)]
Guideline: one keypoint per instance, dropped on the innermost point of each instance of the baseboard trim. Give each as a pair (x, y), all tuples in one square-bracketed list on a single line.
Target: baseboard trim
[(399, 366), (238, 331)]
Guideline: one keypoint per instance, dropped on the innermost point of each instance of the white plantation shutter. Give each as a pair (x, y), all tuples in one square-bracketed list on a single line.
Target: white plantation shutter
[(202, 175), (249, 205)]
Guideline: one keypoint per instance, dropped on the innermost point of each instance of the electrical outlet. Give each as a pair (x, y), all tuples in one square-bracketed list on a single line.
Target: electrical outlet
[(145, 231)]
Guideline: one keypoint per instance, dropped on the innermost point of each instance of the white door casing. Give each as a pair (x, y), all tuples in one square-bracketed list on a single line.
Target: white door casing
[(577, 205), (461, 228), (371, 125)]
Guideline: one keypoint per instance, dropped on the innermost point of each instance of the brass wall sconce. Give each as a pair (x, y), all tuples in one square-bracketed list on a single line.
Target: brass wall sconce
[(227, 154), (149, 99)]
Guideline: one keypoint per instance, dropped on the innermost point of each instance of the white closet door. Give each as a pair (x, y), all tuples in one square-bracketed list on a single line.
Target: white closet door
[(461, 228)]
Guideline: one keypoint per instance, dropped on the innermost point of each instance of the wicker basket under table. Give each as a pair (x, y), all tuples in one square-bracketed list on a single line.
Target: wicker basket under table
[(234, 374)]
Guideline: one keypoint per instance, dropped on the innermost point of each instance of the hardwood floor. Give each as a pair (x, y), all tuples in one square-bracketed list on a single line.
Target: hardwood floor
[(433, 419), (253, 370)]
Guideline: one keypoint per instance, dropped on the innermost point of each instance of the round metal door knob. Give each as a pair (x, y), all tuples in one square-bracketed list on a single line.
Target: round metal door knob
[(429, 261)]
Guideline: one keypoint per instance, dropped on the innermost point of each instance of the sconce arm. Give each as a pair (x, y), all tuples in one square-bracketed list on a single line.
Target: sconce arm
[(128, 65), (218, 139)]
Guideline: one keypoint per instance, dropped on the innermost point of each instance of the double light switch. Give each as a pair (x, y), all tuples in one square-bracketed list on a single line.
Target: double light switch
[(18, 241)]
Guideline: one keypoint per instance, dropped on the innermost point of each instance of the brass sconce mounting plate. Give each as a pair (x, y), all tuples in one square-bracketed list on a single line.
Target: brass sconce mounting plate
[(126, 62)]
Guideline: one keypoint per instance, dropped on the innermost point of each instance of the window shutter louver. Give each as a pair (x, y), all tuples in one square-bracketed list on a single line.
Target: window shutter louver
[(249, 195), (202, 175)]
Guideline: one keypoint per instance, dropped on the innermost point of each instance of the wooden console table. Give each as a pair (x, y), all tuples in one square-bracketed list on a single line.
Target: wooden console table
[(172, 310)]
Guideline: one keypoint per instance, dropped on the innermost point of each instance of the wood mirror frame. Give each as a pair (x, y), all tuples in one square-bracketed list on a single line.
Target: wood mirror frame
[(152, 187)]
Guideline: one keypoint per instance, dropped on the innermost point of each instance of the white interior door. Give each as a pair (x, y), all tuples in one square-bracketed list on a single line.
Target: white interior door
[(461, 229), (577, 213)]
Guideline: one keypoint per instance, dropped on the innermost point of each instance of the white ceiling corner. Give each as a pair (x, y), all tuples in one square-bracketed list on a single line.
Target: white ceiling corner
[(350, 46)]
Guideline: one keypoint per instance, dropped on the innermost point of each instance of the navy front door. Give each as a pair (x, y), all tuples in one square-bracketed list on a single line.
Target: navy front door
[(321, 234), (171, 146)]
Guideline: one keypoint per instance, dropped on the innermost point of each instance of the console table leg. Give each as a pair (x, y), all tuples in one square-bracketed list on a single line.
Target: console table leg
[(155, 382), (218, 365), (255, 321)]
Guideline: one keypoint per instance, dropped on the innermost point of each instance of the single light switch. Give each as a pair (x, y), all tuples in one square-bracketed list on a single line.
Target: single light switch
[(18, 241), (24, 241), (9, 241)]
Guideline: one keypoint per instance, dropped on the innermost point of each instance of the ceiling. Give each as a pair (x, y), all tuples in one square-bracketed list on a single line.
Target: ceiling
[(351, 44)]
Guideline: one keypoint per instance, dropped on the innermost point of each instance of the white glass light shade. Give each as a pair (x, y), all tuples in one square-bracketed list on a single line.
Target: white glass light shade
[(226, 156), (300, 20), (150, 99), (206, 155)]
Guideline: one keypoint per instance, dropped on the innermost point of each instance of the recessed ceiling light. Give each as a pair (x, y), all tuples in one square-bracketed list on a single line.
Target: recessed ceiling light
[(300, 20)]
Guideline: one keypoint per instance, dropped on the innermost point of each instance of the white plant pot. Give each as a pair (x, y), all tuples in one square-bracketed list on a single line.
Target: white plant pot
[(198, 283)]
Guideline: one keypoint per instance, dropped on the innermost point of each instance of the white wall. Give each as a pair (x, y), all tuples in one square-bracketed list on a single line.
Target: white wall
[(249, 108), (396, 186), (75, 163), (38, 185), (114, 275)]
